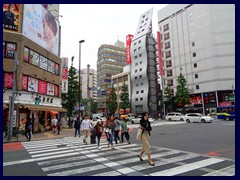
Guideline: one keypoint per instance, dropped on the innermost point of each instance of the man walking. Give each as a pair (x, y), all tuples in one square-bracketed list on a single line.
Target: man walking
[(77, 124), (85, 126)]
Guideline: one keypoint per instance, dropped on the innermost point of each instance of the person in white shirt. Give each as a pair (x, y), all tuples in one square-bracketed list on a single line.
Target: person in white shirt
[(54, 124), (86, 126)]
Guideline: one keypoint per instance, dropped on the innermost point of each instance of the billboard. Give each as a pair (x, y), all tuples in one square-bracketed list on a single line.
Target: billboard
[(64, 75), (128, 43), (12, 17), (159, 54), (41, 27)]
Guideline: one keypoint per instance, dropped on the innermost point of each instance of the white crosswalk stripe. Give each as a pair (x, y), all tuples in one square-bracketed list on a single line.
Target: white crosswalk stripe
[(70, 156)]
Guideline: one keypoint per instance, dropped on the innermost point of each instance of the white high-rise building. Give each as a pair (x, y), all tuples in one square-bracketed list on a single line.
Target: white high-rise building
[(199, 41)]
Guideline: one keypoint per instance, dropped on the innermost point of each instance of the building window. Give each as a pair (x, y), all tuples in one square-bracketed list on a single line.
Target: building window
[(136, 64), (169, 73), (197, 86), (170, 82), (140, 55), (166, 27), (140, 69), (136, 70), (135, 78), (196, 76), (9, 49), (135, 57), (166, 36), (140, 76), (139, 41), (195, 65), (137, 92), (137, 85), (139, 48), (193, 44), (140, 62), (142, 91), (134, 50), (194, 54), (168, 54), (141, 83), (141, 99), (135, 43), (169, 63), (136, 99), (167, 45)]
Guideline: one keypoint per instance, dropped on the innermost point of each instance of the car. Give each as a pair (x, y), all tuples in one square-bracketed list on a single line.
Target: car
[(174, 116), (137, 119), (197, 117)]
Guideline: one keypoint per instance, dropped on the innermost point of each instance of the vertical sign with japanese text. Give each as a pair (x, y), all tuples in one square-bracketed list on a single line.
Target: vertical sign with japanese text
[(64, 75)]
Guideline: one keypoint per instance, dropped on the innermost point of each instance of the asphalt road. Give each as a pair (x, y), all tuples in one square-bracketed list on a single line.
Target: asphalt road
[(183, 149), (216, 138)]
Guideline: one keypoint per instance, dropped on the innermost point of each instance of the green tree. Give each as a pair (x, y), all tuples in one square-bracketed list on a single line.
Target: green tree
[(182, 94), (124, 104), (167, 97), (69, 100), (112, 102)]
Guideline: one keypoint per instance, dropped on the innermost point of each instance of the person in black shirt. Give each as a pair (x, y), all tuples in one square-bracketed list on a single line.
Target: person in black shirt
[(146, 126), (28, 128)]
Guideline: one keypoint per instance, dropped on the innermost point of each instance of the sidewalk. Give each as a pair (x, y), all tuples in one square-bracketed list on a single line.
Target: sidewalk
[(64, 132)]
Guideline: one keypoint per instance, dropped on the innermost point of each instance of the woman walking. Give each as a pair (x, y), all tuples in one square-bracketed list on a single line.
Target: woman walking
[(116, 131), (98, 129), (124, 130), (145, 139)]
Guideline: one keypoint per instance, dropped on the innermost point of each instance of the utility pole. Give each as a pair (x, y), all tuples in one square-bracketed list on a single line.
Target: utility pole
[(88, 92), (79, 78), (12, 98)]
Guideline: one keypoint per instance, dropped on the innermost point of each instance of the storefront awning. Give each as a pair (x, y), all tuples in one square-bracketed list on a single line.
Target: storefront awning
[(45, 108)]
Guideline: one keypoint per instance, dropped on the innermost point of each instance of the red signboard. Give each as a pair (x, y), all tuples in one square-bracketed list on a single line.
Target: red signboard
[(42, 87), (159, 53), (8, 80), (226, 103), (128, 49), (24, 82), (56, 90)]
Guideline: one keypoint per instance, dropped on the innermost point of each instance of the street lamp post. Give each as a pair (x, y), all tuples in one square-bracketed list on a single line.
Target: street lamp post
[(79, 76)]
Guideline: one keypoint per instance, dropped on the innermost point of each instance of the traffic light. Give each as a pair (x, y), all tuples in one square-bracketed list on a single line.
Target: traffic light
[(37, 100)]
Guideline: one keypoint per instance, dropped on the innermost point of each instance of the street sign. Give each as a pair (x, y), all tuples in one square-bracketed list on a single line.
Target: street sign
[(14, 119)]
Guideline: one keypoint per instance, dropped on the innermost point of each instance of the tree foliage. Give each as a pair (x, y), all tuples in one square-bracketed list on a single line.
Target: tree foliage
[(125, 103), (182, 94), (69, 100), (112, 102)]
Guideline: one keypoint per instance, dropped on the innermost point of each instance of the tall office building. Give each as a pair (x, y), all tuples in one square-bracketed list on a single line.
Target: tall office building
[(111, 59), (144, 85), (199, 41), (92, 83)]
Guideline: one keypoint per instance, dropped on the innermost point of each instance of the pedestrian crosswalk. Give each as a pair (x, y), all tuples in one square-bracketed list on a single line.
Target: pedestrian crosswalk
[(69, 156)]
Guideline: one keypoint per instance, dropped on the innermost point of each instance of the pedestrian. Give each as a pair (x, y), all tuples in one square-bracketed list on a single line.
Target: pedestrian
[(28, 128), (98, 130), (145, 139), (86, 126), (111, 126), (77, 125), (106, 129), (124, 129), (116, 131), (54, 124), (58, 126)]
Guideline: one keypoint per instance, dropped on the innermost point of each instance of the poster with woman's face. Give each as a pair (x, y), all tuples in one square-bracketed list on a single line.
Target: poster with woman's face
[(41, 26), (35, 58), (32, 84), (43, 62)]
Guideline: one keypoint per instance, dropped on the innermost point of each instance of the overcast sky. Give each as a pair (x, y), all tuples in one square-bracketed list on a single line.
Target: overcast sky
[(98, 24)]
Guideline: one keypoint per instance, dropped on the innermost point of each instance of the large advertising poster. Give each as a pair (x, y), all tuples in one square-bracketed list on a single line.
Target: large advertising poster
[(12, 17), (32, 84), (42, 87), (128, 49), (64, 75), (8, 80), (41, 27)]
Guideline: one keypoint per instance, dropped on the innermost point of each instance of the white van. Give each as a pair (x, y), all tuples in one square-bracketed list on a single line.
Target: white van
[(174, 116)]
